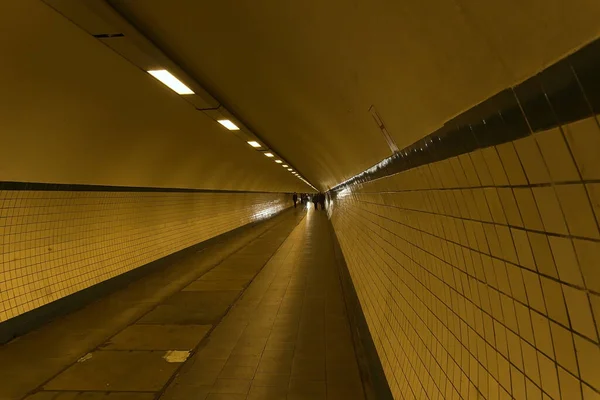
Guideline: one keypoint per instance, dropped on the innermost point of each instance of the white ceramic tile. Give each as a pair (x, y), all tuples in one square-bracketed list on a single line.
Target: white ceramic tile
[(557, 156), (495, 166), (578, 210), (528, 208), (532, 160), (588, 255), (584, 140), (512, 164), (580, 312), (550, 210), (588, 355), (565, 260)]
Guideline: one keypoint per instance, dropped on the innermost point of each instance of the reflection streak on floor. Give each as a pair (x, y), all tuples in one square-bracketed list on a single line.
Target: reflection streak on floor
[(286, 336)]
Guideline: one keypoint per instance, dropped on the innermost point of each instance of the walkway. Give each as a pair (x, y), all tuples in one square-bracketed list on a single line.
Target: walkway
[(259, 315)]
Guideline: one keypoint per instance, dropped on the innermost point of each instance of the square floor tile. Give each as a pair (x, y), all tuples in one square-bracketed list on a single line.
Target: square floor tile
[(307, 389), (267, 393), (233, 386), (186, 392), (237, 372), (279, 380)]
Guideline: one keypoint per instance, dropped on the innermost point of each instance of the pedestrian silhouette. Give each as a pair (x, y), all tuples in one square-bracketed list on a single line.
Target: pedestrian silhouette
[(295, 197)]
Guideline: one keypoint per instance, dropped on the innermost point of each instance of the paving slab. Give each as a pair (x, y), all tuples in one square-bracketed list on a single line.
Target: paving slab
[(221, 284), (91, 396), (158, 337), (203, 299), (228, 274), (130, 371), (192, 307)]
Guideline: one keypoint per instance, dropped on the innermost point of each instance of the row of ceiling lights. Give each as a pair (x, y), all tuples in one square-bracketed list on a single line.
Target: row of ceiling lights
[(179, 87)]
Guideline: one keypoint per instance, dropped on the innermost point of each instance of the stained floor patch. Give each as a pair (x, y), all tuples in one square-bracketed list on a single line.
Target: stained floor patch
[(176, 356)]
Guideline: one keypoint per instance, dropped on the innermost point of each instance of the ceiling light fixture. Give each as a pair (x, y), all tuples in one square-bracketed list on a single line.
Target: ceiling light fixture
[(254, 144), (170, 81), (278, 161), (284, 165), (269, 155), (228, 124), (289, 169)]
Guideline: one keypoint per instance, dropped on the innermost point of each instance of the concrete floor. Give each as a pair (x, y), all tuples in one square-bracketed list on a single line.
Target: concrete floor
[(256, 316)]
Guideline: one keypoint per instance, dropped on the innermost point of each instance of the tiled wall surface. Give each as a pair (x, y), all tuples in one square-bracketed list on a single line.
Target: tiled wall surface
[(479, 275), (54, 243)]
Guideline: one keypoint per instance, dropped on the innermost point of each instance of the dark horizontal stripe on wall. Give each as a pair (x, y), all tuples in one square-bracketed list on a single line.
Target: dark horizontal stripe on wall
[(65, 187), (565, 92)]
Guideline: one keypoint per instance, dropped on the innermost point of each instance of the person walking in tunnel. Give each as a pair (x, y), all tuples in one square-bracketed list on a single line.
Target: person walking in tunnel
[(322, 200), (315, 200), (295, 197)]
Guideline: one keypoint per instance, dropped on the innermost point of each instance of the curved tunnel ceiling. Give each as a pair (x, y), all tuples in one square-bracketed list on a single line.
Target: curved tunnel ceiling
[(72, 111), (303, 75)]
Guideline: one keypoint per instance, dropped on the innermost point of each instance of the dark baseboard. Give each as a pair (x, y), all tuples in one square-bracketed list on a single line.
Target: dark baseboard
[(35, 318), (374, 380)]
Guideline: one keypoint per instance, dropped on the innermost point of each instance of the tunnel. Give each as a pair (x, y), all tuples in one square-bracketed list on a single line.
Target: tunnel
[(342, 200)]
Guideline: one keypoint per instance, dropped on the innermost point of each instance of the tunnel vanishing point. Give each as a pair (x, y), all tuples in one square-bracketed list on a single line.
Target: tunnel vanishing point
[(279, 200)]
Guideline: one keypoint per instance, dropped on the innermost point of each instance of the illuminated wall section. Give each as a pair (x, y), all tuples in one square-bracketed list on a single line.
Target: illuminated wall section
[(475, 253)]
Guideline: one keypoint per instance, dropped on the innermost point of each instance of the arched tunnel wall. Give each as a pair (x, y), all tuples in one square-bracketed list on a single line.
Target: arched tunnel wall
[(58, 242), (478, 274), (102, 168)]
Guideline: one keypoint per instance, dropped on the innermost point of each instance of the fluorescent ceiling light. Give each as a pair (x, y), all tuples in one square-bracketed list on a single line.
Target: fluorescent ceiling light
[(284, 165), (289, 169), (228, 124), (253, 143), (269, 155), (173, 83), (278, 161)]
